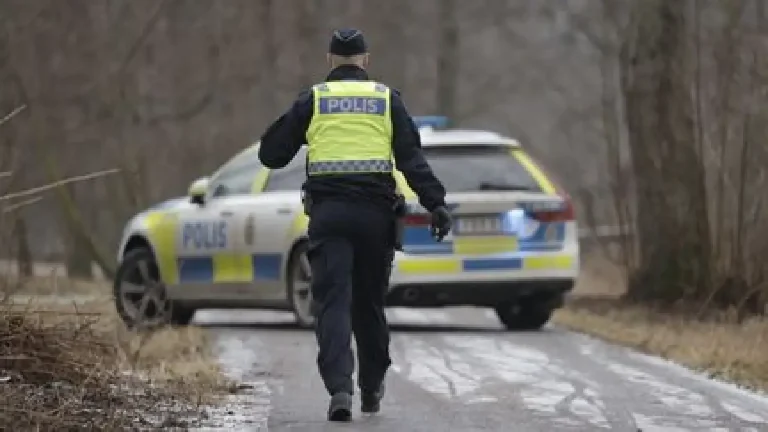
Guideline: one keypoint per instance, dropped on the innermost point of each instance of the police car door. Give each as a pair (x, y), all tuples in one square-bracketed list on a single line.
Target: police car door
[(274, 222), (205, 237), (210, 241)]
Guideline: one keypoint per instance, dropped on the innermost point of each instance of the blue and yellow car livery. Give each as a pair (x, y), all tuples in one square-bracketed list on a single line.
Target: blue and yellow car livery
[(535, 244)]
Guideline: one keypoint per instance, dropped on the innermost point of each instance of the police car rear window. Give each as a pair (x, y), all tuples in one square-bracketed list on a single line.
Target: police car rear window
[(460, 168), (473, 168)]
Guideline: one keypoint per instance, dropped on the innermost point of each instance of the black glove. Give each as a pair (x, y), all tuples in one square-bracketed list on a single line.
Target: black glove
[(441, 223)]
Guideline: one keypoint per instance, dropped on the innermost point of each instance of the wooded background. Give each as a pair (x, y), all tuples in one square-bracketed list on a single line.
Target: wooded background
[(650, 112)]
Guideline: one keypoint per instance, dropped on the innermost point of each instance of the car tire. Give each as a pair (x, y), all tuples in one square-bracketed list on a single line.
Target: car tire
[(138, 280), (523, 316), (181, 315), (298, 286)]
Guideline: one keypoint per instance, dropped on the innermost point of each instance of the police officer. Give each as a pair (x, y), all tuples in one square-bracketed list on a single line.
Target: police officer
[(354, 128)]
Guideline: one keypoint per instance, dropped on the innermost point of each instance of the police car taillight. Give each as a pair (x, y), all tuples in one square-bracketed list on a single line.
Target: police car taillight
[(553, 211), (417, 220), (560, 211)]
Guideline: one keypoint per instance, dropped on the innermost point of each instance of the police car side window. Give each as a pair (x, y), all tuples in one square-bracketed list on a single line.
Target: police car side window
[(237, 176), (236, 182), (291, 177)]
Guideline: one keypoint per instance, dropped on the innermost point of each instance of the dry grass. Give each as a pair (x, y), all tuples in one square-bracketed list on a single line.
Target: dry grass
[(720, 347), (53, 281), (717, 345), (75, 367), (600, 276)]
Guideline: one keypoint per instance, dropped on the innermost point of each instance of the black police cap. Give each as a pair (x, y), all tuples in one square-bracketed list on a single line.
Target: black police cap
[(347, 43)]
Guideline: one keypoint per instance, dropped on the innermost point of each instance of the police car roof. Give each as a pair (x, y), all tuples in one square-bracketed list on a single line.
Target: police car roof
[(464, 137), (452, 137)]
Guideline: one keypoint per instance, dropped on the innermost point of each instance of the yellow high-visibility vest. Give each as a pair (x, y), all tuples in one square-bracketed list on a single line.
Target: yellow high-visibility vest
[(351, 129)]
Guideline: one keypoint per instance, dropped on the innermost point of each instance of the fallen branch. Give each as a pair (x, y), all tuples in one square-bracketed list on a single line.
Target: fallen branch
[(6, 174), (59, 183)]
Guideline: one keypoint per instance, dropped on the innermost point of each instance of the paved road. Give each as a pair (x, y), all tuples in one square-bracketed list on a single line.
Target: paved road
[(458, 371)]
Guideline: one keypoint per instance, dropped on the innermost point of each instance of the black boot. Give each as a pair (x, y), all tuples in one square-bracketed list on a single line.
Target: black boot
[(371, 400), (340, 409)]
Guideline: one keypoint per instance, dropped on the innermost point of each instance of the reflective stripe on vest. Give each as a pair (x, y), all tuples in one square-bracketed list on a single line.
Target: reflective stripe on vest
[(350, 166), (351, 129)]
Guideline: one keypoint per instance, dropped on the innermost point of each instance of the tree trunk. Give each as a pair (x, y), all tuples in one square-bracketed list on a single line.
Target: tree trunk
[(79, 258), (447, 60), (307, 30), (270, 57), (672, 223), (23, 253)]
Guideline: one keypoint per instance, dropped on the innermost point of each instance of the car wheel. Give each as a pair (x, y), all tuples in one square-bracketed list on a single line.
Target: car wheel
[(299, 286), (140, 296), (523, 316)]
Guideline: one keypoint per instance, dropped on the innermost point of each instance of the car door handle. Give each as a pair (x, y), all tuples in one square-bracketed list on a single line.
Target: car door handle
[(226, 213), (284, 210)]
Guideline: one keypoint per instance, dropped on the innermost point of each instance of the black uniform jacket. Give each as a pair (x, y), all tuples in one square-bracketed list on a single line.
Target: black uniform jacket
[(287, 134)]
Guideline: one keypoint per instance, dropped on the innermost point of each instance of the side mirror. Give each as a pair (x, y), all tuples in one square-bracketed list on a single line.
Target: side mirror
[(197, 190)]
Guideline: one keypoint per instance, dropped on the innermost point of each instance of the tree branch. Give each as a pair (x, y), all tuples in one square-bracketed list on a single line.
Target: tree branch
[(18, 205), (12, 114), (57, 184)]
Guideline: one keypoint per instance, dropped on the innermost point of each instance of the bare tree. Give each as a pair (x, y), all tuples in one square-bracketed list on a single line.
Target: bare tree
[(621, 91), (448, 56), (270, 53)]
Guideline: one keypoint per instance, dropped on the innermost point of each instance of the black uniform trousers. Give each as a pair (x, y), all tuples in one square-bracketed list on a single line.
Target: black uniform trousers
[(351, 248)]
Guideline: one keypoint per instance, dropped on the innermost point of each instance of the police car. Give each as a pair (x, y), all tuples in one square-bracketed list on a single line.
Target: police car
[(238, 240)]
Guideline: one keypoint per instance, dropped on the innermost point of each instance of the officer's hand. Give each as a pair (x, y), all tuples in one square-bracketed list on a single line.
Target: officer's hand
[(441, 223)]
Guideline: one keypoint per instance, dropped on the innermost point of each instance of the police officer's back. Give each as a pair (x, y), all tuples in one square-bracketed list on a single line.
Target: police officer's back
[(355, 128)]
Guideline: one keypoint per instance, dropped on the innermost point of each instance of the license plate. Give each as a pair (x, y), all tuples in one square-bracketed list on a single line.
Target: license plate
[(479, 225)]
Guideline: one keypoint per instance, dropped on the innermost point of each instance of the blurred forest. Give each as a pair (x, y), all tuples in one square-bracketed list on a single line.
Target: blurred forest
[(650, 112)]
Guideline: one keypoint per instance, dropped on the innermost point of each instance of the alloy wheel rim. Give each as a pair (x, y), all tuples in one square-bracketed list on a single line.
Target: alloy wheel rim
[(143, 295)]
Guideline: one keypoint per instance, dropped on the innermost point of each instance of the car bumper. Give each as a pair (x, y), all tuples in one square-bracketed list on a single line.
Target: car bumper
[(451, 281)]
